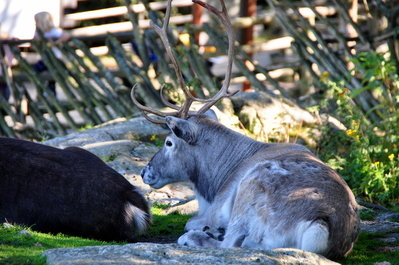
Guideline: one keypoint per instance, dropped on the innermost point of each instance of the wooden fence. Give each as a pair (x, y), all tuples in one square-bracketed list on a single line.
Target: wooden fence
[(94, 94), (90, 88)]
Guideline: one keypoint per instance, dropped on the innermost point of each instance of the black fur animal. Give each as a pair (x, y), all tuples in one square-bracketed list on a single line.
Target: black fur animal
[(68, 191)]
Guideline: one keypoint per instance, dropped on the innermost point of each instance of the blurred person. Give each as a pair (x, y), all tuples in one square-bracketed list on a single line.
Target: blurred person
[(44, 23), (7, 58)]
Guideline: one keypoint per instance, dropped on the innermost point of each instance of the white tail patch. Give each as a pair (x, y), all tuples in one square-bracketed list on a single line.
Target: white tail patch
[(138, 217), (315, 238)]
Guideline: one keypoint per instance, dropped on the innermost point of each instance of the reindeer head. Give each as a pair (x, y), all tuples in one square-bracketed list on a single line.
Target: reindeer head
[(178, 159)]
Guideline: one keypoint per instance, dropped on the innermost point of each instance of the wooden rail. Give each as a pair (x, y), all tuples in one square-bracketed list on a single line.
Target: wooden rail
[(121, 27), (70, 19)]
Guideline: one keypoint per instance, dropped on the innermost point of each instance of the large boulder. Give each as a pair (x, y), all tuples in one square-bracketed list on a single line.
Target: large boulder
[(267, 117), (147, 253), (137, 129)]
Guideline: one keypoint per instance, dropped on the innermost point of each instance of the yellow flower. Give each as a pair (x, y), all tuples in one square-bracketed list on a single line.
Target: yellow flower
[(324, 77), (355, 123), (343, 93), (351, 133), (185, 39), (391, 156), (376, 163)]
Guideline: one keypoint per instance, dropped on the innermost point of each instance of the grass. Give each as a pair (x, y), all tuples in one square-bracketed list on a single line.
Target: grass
[(18, 249), (27, 249), (370, 249), (172, 224), (109, 158), (165, 228)]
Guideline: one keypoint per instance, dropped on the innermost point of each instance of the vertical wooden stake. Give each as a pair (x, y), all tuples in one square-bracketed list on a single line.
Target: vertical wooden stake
[(248, 38)]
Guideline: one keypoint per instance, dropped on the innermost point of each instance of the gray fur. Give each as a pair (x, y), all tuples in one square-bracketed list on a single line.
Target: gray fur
[(265, 195)]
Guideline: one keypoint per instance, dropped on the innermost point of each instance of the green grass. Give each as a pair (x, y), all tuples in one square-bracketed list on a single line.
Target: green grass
[(109, 158), (369, 250), (27, 249), (165, 228), (172, 224)]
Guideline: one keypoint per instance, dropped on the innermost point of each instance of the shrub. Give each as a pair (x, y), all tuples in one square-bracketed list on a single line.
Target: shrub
[(368, 160)]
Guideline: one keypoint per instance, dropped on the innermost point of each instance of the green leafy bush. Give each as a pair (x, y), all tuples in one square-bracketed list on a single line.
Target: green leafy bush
[(367, 154)]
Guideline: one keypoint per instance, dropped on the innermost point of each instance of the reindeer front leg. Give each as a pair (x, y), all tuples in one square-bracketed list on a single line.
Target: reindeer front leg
[(234, 238), (216, 215), (209, 228), (198, 238)]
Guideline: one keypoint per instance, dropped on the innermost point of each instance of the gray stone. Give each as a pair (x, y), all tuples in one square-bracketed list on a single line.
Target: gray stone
[(146, 253), (377, 226), (118, 129), (134, 129), (108, 149), (185, 207), (24, 233), (271, 117), (145, 151), (79, 139)]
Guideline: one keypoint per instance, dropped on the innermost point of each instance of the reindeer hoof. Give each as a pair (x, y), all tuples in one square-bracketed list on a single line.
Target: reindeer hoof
[(221, 230), (217, 234), (198, 238), (205, 228)]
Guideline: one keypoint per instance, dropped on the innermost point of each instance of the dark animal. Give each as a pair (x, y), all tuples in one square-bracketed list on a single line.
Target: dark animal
[(259, 195), (68, 191)]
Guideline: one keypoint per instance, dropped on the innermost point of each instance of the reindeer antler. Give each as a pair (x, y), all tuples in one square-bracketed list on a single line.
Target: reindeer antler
[(183, 111)]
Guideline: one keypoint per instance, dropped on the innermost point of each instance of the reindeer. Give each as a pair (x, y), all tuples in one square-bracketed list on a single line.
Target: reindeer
[(259, 195), (68, 191)]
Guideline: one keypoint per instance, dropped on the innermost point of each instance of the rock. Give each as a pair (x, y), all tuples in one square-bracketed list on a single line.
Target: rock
[(24, 233), (185, 207), (106, 150), (138, 129), (79, 139), (269, 117), (146, 253), (383, 227), (8, 225), (145, 151), (272, 111)]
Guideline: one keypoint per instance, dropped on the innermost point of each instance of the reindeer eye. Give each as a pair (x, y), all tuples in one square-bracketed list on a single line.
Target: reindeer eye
[(168, 143)]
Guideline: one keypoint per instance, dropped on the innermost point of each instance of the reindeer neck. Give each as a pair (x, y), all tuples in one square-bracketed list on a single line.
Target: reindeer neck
[(221, 161)]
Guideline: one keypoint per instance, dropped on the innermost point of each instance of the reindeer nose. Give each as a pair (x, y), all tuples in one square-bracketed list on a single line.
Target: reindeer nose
[(142, 173)]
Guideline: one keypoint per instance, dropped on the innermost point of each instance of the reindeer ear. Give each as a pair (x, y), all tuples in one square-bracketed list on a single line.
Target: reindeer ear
[(210, 113), (183, 129)]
